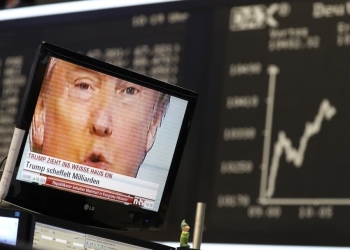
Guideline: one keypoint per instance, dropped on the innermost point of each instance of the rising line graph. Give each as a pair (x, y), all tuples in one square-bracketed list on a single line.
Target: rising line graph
[(294, 155)]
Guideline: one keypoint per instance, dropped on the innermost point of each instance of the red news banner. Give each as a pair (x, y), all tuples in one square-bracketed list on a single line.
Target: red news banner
[(89, 181)]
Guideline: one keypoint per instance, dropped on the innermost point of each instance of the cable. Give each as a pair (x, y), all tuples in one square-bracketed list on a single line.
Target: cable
[(1, 170), (2, 163)]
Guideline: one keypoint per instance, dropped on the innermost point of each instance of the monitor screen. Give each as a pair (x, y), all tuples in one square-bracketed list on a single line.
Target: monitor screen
[(98, 142), (56, 238), (13, 227), (8, 230), (101, 136), (52, 233)]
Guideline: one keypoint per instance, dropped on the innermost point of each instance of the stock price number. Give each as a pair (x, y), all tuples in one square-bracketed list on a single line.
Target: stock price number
[(310, 212), (236, 167), (238, 134)]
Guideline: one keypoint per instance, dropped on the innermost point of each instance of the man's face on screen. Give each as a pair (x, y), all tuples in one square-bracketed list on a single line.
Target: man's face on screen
[(97, 120)]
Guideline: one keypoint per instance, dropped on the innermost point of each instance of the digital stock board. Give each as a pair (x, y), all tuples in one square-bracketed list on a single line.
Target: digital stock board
[(268, 150), (280, 162)]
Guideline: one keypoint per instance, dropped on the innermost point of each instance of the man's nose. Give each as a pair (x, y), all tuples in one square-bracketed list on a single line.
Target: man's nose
[(102, 123)]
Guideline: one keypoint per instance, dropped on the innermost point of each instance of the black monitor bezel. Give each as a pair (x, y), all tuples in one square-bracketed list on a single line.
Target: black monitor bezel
[(107, 234), (70, 206)]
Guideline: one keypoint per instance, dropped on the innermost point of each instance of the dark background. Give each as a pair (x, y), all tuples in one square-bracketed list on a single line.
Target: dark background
[(313, 60)]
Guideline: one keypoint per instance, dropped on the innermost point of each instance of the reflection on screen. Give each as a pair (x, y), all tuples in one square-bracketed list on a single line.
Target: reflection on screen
[(101, 136), (8, 230), (55, 238)]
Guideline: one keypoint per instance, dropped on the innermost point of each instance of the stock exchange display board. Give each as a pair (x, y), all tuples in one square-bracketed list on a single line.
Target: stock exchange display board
[(268, 149), (280, 162)]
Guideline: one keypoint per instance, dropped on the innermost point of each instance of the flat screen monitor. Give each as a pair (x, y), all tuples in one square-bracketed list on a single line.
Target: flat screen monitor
[(13, 227), (8, 230), (51, 233), (95, 143)]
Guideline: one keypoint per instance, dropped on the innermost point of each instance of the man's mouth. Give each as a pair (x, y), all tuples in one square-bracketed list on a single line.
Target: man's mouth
[(96, 161)]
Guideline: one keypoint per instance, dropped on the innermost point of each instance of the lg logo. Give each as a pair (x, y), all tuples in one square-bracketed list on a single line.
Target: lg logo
[(88, 207), (257, 16)]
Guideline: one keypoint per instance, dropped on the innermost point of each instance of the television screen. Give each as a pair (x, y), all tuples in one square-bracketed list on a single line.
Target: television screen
[(101, 136), (95, 130)]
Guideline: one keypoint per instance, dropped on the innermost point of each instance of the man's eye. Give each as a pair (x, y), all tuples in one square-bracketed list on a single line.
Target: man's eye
[(82, 89), (83, 86), (131, 90)]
